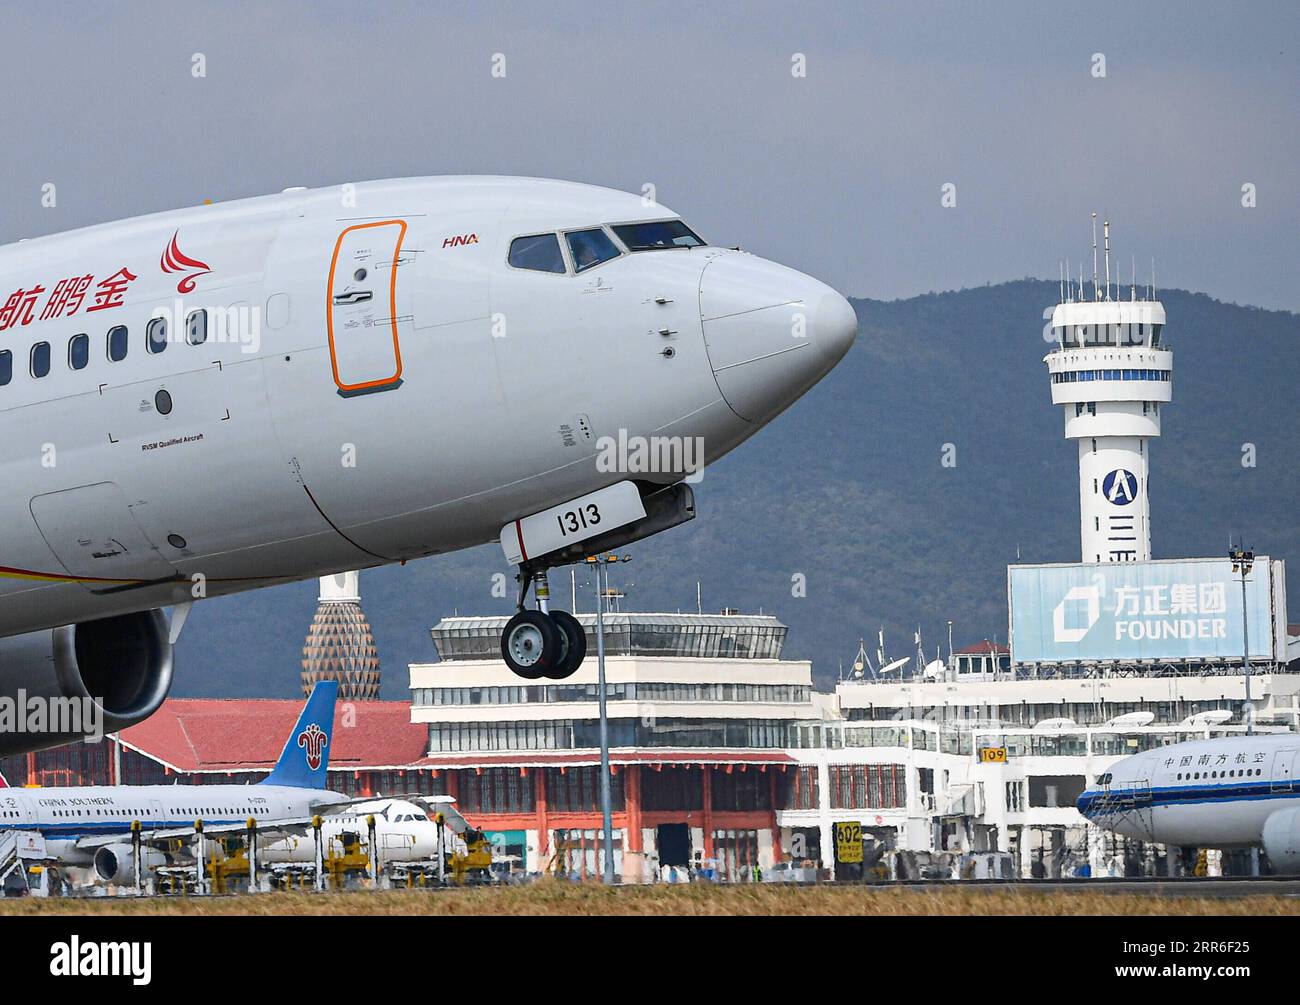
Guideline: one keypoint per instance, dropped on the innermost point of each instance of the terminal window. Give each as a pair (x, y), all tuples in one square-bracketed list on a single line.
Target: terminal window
[(1055, 791)]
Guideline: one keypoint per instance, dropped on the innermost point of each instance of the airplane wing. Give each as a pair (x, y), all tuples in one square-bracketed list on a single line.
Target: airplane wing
[(288, 825), (445, 805)]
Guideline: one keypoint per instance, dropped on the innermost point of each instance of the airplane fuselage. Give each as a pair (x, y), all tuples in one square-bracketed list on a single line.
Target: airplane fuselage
[(355, 376), (1202, 793), (403, 833), (64, 816)]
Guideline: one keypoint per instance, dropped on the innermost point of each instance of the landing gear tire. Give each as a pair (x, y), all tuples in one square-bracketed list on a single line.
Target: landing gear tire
[(532, 645), (576, 649)]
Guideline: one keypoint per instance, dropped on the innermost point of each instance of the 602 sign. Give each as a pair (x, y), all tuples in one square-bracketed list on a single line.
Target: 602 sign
[(848, 841)]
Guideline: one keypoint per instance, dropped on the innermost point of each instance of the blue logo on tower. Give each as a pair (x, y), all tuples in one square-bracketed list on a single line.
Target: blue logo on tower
[(1120, 487)]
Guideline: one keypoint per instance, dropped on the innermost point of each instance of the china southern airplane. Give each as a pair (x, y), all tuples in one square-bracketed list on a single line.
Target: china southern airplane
[(1236, 791), (215, 399), (91, 825)]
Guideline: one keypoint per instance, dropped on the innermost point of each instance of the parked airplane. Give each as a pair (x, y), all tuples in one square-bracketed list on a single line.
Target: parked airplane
[(91, 825), (1222, 793), (215, 399), (404, 830)]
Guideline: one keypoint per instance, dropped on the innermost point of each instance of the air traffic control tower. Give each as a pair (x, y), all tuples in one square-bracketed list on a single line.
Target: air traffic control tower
[(1110, 375)]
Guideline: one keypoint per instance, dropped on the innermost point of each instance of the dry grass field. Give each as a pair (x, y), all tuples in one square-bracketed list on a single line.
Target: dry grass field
[(551, 898)]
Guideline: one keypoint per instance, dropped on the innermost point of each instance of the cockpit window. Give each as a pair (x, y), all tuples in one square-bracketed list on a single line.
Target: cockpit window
[(540, 253), (591, 247), (657, 236)]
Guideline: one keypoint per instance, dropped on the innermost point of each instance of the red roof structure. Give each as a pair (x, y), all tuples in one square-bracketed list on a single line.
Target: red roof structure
[(983, 649), (239, 734)]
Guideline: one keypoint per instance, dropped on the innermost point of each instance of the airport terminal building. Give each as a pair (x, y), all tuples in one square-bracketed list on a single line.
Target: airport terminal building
[(701, 709), (723, 756)]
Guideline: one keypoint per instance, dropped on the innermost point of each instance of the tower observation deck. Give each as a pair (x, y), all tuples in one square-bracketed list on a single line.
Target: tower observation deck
[(1110, 374)]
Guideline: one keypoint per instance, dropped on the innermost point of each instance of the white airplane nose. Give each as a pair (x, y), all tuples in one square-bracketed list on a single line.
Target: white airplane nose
[(771, 332), (837, 327)]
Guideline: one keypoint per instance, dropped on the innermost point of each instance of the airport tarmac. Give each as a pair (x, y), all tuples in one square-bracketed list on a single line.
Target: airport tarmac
[(1224, 887), (1097, 897)]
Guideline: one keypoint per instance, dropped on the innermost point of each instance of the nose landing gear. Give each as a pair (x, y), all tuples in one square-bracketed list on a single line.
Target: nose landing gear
[(542, 643)]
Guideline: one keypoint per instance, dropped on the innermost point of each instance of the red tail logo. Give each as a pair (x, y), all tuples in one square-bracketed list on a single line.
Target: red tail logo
[(313, 741), (175, 260)]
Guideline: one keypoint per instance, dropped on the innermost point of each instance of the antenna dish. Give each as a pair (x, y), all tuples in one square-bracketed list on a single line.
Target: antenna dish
[(1054, 725), (1213, 717), (1133, 719)]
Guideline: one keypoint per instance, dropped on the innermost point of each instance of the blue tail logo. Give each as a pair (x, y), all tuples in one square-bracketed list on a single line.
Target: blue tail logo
[(305, 759)]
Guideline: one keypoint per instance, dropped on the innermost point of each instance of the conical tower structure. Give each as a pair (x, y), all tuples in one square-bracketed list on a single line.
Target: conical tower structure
[(340, 645)]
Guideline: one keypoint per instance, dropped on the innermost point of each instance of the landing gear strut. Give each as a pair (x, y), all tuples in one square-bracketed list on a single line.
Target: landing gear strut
[(542, 643)]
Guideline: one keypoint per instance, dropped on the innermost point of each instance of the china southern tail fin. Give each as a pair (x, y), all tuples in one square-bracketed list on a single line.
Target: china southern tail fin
[(306, 754)]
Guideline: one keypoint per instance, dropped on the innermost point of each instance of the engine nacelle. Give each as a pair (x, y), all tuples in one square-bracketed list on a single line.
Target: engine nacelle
[(96, 676), (115, 863), (1282, 840)]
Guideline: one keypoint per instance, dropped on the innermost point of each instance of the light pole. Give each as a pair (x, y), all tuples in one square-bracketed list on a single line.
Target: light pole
[(602, 564), (1241, 562)]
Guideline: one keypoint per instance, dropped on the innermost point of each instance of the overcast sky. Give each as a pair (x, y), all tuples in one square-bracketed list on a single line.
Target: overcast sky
[(838, 173)]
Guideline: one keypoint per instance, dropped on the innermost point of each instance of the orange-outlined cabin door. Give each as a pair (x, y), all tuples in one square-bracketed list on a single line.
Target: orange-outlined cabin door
[(362, 313)]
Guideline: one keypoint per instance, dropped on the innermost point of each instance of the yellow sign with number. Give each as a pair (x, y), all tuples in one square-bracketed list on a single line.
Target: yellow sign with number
[(848, 841), (993, 755)]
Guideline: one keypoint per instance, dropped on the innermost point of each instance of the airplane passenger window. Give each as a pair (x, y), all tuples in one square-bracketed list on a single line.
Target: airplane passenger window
[(540, 253), (590, 247), (657, 236), (117, 343), (78, 351), (156, 335), (6, 367), (40, 359), (196, 328)]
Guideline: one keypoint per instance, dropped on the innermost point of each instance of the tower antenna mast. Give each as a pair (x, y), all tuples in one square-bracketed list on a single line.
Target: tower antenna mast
[(1105, 229), (1094, 256)]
